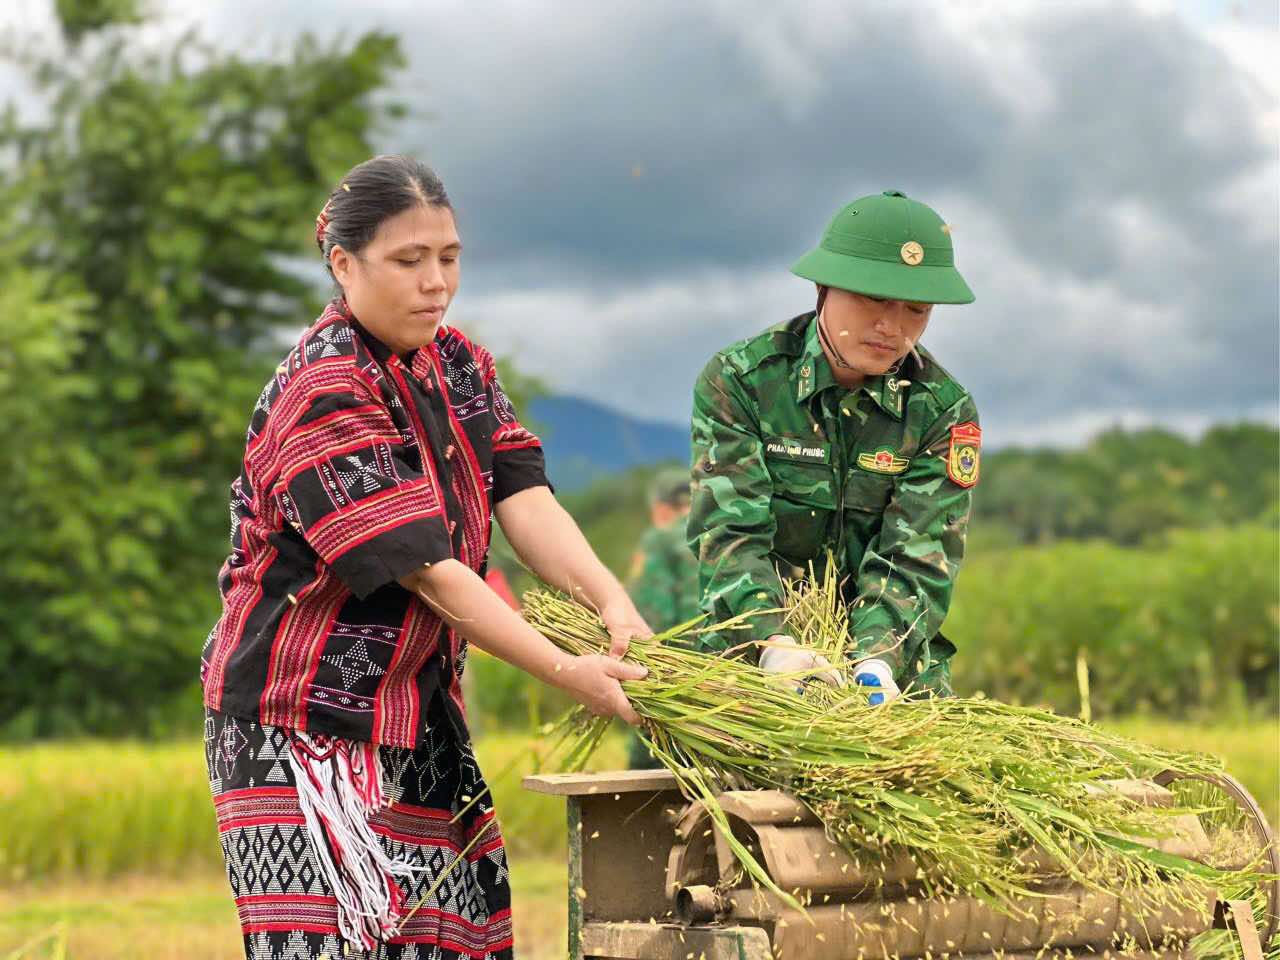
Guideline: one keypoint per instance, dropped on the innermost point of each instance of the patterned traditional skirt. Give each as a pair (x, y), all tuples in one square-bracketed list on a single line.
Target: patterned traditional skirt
[(287, 909)]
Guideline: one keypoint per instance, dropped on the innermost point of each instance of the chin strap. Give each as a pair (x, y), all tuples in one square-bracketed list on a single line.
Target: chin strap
[(824, 338)]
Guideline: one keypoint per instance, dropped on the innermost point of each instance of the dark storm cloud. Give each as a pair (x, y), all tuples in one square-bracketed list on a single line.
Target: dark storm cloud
[(633, 181)]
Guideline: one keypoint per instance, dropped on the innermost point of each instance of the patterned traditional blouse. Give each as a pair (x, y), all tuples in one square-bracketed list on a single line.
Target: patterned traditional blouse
[(360, 466)]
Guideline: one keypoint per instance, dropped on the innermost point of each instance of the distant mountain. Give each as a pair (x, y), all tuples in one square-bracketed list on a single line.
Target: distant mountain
[(585, 440)]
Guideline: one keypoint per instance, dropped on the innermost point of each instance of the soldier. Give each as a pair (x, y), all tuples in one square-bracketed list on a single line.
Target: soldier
[(836, 432), (664, 574)]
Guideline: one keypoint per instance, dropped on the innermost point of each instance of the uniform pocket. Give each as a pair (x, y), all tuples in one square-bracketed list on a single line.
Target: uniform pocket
[(804, 502), (867, 492)]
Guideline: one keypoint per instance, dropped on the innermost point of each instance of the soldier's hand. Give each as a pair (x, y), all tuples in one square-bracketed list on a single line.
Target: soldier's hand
[(796, 665), (624, 624), (875, 676), (595, 682)]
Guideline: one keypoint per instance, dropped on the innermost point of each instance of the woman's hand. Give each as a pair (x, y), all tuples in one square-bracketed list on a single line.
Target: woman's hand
[(594, 681), (479, 614), (624, 624)]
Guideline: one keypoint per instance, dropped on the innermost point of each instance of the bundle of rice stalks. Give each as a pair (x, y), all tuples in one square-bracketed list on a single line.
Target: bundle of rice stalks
[(965, 786)]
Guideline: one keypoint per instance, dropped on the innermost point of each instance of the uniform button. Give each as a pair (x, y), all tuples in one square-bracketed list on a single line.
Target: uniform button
[(449, 451)]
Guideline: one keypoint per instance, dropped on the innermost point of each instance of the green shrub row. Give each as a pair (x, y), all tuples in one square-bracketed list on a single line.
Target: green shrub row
[(1185, 627)]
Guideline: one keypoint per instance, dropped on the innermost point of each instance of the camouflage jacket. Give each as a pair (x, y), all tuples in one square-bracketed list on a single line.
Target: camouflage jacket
[(788, 465), (664, 580)]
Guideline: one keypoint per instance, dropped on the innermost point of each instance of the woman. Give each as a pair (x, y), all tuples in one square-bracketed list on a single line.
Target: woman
[(340, 763)]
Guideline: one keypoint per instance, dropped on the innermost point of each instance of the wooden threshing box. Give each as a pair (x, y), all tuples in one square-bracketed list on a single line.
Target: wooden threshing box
[(651, 879)]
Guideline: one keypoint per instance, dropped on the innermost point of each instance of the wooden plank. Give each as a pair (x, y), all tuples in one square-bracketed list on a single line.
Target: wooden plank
[(609, 781), (644, 941), (915, 927), (1241, 914), (574, 817), (637, 941), (804, 858), (766, 807), (695, 817), (693, 861)]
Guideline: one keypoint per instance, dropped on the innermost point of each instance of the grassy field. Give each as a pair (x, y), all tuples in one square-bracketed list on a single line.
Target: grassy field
[(193, 917), (1251, 750), (97, 810), (107, 850)]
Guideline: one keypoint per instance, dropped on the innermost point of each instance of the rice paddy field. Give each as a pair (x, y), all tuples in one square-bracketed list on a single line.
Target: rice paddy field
[(108, 849)]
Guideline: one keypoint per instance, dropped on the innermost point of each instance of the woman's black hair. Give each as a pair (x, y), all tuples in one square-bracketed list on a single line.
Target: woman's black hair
[(371, 193)]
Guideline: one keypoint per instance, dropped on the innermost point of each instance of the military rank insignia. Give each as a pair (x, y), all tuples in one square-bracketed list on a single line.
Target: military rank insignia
[(962, 458), (882, 461)]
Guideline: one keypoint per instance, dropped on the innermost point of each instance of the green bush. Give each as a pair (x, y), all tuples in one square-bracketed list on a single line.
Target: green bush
[(1126, 485), (150, 217), (1175, 628)]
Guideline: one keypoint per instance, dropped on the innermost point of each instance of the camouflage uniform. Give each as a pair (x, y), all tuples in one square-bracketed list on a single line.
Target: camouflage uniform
[(788, 465), (665, 588), (664, 585)]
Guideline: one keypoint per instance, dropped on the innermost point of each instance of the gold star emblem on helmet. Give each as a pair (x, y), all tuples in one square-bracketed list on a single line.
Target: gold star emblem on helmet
[(912, 253)]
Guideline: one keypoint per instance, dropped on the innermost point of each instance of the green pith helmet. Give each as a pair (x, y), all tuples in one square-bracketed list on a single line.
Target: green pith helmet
[(887, 245), (670, 487)]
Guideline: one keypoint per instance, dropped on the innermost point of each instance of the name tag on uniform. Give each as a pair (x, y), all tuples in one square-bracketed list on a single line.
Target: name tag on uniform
[(801, 451)]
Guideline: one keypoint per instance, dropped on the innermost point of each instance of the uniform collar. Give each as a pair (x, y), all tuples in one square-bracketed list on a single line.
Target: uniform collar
[(811, 371), (812, 374)]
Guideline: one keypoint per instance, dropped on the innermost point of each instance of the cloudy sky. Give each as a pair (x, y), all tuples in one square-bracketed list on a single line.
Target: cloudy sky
[(634, 180)]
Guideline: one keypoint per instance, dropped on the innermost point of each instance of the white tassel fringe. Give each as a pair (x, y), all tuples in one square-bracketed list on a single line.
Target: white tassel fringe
[(339, 786)]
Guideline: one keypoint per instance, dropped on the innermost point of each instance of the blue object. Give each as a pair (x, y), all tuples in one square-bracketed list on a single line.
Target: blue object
[(870, 680)]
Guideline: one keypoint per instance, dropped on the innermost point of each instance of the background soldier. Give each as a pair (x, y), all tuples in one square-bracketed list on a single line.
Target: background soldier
[(835, 431), (664, 574)]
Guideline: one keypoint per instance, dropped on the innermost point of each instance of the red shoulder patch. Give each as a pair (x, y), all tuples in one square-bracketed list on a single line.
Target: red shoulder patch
[(965, 454)]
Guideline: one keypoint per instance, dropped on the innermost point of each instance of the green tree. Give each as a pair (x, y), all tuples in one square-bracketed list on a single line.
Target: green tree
[(81, 17), (1132, 486), (152, 220)]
